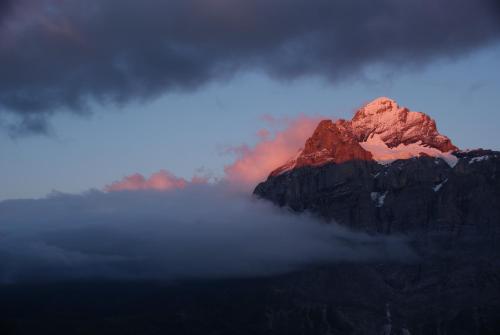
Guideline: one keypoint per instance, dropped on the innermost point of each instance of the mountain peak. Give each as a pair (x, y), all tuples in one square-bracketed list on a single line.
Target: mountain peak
[(380, 130), (377, 106)]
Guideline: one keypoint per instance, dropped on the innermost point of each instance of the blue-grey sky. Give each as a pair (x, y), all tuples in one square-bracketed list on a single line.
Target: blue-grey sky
[(187, 131), (94, 91)]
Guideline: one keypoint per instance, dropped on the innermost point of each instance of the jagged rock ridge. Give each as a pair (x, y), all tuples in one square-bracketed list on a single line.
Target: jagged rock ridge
[(396, 126)]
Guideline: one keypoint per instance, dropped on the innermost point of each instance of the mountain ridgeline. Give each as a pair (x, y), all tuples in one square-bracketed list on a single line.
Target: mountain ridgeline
[(388, 170)]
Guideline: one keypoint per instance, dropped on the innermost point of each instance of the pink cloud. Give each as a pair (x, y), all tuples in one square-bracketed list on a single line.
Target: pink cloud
[(162, 180), (255, 163), (252, 165)]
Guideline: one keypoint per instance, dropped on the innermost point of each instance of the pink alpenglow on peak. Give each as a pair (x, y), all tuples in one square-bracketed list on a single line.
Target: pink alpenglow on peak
[(396, 125), (251, 165), (381, 131)]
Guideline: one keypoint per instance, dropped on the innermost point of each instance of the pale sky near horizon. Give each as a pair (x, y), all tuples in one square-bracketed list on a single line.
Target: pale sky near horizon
[(186, 132)]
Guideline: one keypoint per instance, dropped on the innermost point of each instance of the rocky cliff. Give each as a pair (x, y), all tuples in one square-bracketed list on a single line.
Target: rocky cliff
[(408, 195)]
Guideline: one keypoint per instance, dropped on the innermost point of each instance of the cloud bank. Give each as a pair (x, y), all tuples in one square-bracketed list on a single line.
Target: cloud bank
[(58, 56), (201, 231)]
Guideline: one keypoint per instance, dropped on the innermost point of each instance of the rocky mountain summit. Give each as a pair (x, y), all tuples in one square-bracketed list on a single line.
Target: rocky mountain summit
[(389, 171), (380, 131)]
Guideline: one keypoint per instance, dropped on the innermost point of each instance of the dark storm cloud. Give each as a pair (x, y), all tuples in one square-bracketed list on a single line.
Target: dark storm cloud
[(58, 55), (5, 6), (203, 231)]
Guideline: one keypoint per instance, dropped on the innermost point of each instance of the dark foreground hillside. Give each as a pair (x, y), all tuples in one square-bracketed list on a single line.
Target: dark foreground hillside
[(453, 289)]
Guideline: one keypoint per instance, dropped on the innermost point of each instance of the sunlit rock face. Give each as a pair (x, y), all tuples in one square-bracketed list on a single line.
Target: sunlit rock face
[(330, 143), (389, 170), (397, 126), (380, 131)]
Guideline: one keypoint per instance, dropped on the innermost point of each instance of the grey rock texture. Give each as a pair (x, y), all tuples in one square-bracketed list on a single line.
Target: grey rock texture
[(419, 194)]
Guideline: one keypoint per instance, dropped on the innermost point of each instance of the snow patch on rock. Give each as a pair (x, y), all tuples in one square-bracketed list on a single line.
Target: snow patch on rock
[(385, 155), (438, 187), (479, 159), (378, 198)]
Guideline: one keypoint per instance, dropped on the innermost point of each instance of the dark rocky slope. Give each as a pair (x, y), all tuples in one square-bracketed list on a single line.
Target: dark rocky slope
[(408, 195), (452, 218)]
